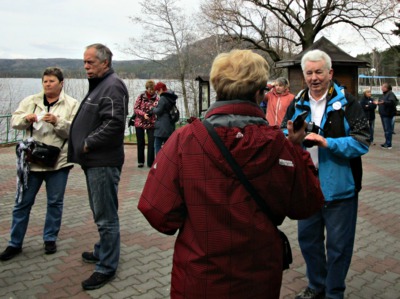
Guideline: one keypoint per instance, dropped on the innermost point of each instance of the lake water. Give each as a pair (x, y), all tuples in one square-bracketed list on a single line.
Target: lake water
[(13, 90)]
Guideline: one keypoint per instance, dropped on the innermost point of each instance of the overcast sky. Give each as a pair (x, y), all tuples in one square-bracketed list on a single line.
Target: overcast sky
[(63, 28)]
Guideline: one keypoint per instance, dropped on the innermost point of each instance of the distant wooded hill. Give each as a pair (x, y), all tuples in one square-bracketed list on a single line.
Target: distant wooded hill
[(73, 68), (202, 55)]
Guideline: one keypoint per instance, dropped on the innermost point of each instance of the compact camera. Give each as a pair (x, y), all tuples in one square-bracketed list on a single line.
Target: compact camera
[(310, 128)]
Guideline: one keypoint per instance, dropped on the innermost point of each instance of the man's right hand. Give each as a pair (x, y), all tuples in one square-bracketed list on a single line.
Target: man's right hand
[(298, 136)]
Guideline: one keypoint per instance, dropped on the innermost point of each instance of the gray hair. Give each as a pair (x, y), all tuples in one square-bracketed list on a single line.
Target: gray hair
[(316, 55), (103, 53), (282, 81)]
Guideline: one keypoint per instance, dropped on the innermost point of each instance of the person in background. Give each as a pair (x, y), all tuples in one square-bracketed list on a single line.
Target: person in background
[(46, 117), (263, 103), (97, 144), (387, 111), (336, 150), (278, 99), (145, 102), (227, 247), (369, 106), (164, 127)]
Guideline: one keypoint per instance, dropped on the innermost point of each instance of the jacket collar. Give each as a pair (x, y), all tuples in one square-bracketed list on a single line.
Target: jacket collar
[(94, 82)]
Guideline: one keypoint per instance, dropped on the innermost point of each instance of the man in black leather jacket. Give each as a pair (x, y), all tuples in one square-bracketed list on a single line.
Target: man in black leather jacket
[(97, 144)]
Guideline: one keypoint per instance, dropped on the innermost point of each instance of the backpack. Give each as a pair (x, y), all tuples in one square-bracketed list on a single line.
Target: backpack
[(174, 114)]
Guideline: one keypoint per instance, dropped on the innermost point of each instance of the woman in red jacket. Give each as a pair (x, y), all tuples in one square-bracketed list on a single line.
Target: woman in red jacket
[(226, 246), (144, 121), (278, 100)]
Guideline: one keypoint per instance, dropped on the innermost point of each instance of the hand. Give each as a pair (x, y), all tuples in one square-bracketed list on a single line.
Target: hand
[(296, 137), (50, 118), (85, 148), (317, 140), (146, 116), (32, 118)]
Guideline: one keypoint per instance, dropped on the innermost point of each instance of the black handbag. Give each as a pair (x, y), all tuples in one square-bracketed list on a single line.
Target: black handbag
[(131, 122), (42, 154), (287, 251)]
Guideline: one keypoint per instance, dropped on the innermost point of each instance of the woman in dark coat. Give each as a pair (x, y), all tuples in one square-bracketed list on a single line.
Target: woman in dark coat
[(164, 125), (369, 106)]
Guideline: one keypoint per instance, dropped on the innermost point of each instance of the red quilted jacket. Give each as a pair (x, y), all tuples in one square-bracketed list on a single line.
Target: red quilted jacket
[(226, 246)]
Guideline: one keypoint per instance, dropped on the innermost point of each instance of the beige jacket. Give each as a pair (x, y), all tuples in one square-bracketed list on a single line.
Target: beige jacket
[(65, 110)]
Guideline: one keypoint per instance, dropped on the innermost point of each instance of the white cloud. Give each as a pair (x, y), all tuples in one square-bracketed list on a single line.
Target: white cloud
[(63, 28)]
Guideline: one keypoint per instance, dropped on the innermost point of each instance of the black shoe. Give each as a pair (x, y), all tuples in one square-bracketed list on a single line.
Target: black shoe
[(88, 257), (308, 293), (97, 280), (50, 247), (140, 165), (9, 253), (385, 146)]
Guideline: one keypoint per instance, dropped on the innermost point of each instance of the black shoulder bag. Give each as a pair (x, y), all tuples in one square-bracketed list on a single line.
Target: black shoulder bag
[(41, 153), (287, 251)]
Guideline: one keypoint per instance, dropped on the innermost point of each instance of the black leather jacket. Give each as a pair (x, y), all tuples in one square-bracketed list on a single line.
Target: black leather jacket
[(100, 124)]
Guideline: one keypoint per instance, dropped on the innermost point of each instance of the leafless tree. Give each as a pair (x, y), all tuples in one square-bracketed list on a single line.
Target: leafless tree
[(273, 25), (166, 39)]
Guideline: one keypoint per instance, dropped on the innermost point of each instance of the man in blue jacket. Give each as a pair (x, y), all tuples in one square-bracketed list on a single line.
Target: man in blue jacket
[(97, 143), (336, 149)]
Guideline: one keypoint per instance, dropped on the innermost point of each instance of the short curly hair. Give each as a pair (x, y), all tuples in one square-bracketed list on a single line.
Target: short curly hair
[(150, 84), (239, 74), (53, 71)]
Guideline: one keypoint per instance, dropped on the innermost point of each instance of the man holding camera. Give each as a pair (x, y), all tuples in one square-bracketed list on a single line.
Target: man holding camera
[(336, 145)]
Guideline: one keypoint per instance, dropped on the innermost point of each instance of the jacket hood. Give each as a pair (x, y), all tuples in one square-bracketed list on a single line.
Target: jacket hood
[(170, 96), (244, 130)]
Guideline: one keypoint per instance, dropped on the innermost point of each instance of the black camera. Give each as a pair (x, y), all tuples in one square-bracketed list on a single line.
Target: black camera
[(310, 128)]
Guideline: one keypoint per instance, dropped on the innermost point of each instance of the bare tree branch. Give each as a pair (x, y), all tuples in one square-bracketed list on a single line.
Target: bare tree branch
[(299, 21), (167, 39)]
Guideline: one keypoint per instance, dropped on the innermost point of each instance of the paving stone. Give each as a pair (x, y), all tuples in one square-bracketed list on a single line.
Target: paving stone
[(146, 255)]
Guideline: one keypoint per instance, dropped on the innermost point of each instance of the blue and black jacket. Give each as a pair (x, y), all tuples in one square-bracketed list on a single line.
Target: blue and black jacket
[(346, 130)]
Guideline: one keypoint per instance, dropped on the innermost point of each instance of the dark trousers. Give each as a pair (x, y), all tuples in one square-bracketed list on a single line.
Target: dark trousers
[(326, 240), (387, 123), (141, 143), (371, 129)]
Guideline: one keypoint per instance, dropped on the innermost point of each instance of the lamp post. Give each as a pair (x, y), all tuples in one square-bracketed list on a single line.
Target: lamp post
[(372, 71), (204, 94)]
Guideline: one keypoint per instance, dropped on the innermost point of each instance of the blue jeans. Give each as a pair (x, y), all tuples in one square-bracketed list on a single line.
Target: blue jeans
[(56, 182), (387, 123), (102, 184), (158, 142), (327, 272)]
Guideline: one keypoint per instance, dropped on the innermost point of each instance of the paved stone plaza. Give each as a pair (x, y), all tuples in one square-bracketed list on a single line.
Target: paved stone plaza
[(146, 255)]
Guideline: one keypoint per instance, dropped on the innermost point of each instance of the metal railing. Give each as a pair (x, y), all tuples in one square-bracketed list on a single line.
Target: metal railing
[(9, 135)]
